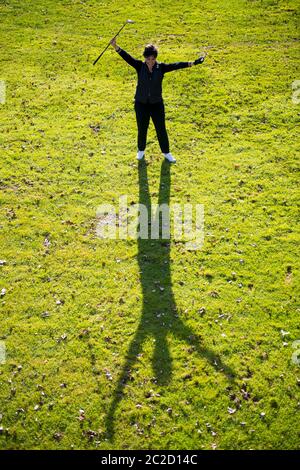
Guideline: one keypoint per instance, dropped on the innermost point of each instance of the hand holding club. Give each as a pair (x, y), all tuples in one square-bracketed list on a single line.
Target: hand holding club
[(113, 42)]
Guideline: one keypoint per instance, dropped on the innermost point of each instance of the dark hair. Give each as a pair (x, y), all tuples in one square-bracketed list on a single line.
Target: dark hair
[(150, 49)]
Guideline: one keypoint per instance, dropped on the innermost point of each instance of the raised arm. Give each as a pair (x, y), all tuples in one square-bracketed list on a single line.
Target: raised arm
[(181, 65), (127, 57)]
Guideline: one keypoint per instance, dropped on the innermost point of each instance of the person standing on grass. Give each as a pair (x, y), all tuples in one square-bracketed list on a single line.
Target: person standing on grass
[(148, 96)]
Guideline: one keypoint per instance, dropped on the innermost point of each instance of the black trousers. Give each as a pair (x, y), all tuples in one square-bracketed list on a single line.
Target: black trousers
[(157, 112)]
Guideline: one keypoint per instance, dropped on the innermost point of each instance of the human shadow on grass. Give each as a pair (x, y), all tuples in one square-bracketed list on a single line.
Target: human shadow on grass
[(159, 317)]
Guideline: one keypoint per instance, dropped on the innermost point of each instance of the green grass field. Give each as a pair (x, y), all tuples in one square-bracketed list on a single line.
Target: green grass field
[(142, 344)]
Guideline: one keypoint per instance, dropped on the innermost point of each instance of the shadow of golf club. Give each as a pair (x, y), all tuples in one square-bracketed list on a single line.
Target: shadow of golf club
[(159, 316)]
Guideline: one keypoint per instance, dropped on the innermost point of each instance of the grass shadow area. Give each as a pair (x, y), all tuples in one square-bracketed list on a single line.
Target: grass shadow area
[(159, 316)]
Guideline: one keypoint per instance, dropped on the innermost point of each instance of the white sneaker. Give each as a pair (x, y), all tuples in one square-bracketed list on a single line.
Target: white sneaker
[(170, 157), (140, 154)]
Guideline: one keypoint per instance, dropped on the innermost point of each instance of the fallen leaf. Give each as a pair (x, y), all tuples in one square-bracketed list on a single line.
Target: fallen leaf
[(47, 242), (284, 333), (231, 411)]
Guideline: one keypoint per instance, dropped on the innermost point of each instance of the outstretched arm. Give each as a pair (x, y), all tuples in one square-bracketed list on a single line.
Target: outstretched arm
[(182, 65), (127, 57)]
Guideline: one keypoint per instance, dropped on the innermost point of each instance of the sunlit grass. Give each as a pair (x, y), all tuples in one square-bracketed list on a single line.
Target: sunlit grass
[(74, 303)]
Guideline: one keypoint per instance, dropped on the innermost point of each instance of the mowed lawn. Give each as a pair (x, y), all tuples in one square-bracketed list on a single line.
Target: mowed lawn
[(144, 344)]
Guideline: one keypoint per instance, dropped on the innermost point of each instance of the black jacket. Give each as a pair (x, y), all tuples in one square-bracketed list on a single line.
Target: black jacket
[(149, 87)]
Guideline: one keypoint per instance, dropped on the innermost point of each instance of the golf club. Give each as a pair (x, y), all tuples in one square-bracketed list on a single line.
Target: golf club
[(127, 21)]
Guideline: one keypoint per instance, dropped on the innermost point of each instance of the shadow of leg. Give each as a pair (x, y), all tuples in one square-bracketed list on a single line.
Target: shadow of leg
[(125, 376), (162, 361)]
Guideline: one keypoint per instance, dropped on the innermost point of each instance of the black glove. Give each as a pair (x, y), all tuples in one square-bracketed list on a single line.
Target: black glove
[(199, 61)]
